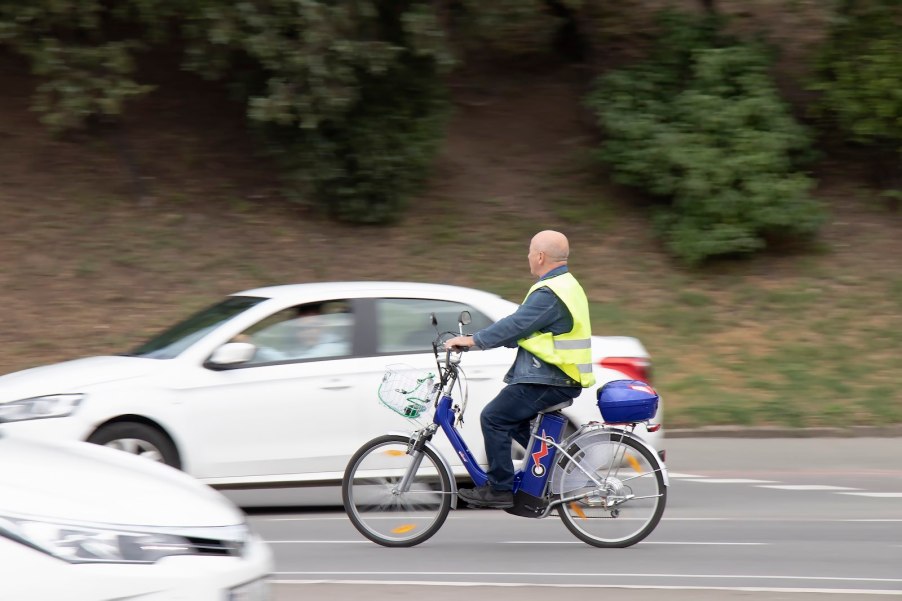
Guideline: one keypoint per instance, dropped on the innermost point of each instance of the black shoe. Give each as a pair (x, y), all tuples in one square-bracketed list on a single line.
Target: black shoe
[(485, 496)]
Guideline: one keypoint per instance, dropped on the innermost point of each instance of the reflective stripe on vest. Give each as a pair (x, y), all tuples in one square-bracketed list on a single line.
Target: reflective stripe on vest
[(570, 351)]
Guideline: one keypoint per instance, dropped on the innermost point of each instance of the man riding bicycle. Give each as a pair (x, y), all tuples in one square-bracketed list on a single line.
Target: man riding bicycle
[(553, 363)]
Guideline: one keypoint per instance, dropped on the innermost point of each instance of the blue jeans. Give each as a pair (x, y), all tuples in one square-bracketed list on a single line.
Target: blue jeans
[(507, 417)]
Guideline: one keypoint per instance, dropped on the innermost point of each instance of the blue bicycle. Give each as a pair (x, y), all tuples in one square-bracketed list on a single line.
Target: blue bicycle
[(607, 485)]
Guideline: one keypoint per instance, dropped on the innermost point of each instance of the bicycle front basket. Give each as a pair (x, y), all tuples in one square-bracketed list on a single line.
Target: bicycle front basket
[(406, 390)]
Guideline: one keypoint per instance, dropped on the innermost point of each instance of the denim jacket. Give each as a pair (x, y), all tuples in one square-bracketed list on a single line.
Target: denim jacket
[(542, 311)]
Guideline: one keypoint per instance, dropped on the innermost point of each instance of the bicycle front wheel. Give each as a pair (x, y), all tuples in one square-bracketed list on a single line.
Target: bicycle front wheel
[(613, 490), (375, 503)]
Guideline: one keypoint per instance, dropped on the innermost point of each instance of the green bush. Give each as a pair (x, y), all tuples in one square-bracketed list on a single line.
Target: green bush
[(82, 74), (363, 168), (701, 124), (859, 75), (348, 95)]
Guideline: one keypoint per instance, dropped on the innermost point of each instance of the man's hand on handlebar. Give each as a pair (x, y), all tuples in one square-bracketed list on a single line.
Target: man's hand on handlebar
[(460, 343)]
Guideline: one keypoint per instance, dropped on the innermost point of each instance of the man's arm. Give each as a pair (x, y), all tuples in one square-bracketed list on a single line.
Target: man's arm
[(539, 312)]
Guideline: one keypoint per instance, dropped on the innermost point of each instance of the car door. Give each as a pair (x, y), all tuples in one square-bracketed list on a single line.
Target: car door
[(282, 413)]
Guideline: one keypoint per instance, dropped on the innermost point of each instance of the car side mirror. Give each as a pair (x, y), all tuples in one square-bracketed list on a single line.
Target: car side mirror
[(232, 353)]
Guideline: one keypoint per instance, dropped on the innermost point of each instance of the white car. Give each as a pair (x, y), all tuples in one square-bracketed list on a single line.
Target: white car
[(83, 523), (278, 386)]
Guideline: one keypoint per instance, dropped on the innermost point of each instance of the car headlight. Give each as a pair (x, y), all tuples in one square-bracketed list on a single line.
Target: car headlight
[(52, 405), (89, 543)]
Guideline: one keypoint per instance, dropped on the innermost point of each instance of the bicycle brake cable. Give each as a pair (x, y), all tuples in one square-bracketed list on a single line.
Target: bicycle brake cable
[(464, 392)]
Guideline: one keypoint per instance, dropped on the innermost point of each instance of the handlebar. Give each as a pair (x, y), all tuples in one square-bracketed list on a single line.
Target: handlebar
[(447, 365), (457, 349)]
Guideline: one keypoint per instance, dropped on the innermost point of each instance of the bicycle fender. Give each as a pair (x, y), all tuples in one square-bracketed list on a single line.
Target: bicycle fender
[(445, 464), (600, 430)]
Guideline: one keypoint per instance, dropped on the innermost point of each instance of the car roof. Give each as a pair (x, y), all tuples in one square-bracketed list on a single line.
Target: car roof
[(362, 288)]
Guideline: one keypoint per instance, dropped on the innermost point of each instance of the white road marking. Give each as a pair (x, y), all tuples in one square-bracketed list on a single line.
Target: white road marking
[(749, 589), (578, 542), (792, 519), (664, 519), (732, 481), (842, 490), (343, 517), (318, 542), (601, 575), (511, 542), (806, 487), (310, 519)]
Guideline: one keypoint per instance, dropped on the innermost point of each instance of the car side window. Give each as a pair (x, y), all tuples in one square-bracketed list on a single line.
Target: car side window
[(404, 326), (304, 332)]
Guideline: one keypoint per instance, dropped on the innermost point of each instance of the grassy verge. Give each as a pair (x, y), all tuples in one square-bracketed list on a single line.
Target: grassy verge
[(797, 354)]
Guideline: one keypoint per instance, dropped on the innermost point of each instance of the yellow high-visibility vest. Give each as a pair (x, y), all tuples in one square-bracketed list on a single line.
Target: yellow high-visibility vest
[(571, 351)]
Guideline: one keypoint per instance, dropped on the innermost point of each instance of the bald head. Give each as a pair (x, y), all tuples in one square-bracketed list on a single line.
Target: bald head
[(553, 244), (547, 250)]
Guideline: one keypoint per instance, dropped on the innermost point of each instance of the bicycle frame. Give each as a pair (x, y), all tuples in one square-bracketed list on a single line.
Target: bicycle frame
[(531, 484), (444, 418)]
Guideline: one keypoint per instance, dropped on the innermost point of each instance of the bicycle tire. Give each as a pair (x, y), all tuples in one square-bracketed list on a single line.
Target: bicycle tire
[(383, 515), (608, 517)]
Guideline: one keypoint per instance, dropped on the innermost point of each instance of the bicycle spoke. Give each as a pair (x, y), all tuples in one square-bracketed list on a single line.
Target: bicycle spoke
[(625, 501), (376, 505)]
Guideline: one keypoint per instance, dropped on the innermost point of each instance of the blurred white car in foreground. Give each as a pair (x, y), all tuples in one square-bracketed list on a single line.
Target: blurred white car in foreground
[(277, 386), (80, 522)]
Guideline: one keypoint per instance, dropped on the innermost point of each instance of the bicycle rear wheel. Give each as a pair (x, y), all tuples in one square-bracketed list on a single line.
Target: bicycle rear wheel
[(380, 511), (624, 503)]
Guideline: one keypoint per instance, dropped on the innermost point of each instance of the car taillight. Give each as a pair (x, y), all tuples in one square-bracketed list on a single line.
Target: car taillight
[(636, 368)]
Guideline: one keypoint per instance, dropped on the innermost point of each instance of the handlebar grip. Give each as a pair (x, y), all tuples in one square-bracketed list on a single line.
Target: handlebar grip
[(457, 349)]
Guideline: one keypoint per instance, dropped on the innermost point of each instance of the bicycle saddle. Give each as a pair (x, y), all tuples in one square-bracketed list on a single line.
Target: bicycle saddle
[(557, 407)]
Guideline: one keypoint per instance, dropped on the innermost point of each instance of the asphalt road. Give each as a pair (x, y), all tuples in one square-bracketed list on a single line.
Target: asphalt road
[(746, 519)]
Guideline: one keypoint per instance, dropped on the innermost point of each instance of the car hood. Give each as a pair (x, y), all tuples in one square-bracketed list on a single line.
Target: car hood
[(74, 376), (82, 482)]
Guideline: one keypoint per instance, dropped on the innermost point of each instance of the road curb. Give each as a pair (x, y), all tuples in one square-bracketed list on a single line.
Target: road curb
[(889, 431)]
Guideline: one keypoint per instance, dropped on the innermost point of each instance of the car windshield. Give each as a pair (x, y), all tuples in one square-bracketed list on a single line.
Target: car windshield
[(171, 342)]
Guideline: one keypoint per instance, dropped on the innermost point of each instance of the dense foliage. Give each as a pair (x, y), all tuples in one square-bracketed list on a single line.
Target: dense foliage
[(347, 94), (860, 77), (701, 124), (350, 96), (348, 91), (365, 165), (84, 72)]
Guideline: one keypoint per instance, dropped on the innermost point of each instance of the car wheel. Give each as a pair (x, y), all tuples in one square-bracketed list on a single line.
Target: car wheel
[(138, 439)]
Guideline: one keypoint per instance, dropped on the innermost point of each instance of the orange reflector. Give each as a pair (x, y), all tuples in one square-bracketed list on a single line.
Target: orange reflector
[(394, 453), (403, 529), (577, 510), (634, 463)]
